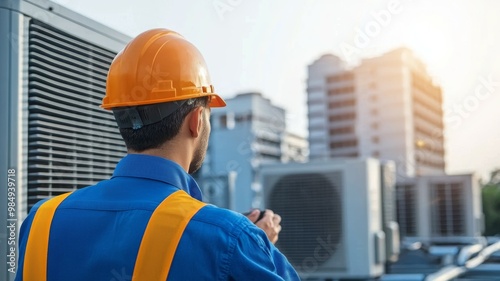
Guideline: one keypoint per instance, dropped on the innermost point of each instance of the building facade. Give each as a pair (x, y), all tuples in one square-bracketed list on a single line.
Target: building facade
[(387, 107), (248, 132)]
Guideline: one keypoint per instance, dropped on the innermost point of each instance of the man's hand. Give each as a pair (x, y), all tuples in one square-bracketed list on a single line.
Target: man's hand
[(270, 223)]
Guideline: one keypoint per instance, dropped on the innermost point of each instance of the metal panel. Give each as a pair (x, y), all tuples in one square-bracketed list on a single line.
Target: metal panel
[(69, 22), (12, 138), (4, 136)]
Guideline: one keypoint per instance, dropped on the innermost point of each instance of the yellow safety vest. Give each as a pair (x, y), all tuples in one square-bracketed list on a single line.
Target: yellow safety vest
[(158, 245)]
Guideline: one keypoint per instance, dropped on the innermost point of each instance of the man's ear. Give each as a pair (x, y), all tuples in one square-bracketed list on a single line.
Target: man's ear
[(196, 121)]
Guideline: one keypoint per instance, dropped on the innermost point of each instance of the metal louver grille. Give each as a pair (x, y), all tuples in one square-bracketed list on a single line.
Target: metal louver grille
[(312, 206), (447, 209), (407, 209), (72, 143)]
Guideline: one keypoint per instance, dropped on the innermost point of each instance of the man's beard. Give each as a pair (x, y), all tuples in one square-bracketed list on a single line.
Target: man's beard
[(199, 154)]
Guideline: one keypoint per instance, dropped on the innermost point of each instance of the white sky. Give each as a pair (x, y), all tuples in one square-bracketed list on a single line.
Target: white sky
[(259, 45)]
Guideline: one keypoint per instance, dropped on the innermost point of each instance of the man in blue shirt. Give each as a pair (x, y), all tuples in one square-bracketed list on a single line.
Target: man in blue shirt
[(147, 221)]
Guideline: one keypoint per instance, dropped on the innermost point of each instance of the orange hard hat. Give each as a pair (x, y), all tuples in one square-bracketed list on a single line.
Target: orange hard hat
[(158, 66)]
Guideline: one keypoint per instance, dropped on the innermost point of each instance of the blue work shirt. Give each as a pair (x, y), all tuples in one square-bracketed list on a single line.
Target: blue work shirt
[(96, 231)]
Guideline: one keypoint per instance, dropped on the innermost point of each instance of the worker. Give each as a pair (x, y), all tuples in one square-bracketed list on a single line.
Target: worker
[(147, 222)]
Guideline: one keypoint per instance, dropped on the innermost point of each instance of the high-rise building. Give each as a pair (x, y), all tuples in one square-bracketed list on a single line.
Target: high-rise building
[(387, 107), (331, 103), (246, 133)]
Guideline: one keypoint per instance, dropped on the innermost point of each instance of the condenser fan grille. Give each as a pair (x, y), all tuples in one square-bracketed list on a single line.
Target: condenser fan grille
[(447, 209), (311, 208), (407, 209)]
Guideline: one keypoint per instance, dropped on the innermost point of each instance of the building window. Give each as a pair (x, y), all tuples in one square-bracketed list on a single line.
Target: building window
[(346, 76), (343, 144), (376, 153), (343, 103), (311, 101), (314, 89), (342, 130), (375, 139), (342, 117), (374, 125), (341, 91), (243, 118), (351, 154), (312, 114), (223, 121)]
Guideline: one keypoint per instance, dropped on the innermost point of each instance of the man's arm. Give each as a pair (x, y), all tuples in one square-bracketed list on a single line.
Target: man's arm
[(256, 258)]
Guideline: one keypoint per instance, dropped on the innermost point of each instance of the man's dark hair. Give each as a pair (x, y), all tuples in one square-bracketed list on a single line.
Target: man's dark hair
[(154, 135)]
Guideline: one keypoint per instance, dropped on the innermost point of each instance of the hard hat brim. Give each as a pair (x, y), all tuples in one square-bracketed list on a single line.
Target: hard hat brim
[(216, 101)]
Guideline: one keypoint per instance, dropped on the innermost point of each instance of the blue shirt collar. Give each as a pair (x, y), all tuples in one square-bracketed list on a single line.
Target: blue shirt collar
[(159, 169)]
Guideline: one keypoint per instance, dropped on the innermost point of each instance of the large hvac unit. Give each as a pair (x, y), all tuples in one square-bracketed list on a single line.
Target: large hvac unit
[(332, 226), (443, 208), (54, 138)]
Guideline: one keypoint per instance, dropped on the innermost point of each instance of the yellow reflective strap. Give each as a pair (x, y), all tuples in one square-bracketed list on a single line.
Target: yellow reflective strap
[(162, 235), (37, 247)]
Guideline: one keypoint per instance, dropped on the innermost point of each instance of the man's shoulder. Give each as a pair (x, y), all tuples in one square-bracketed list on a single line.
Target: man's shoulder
[(225, 220), (219, 224)]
